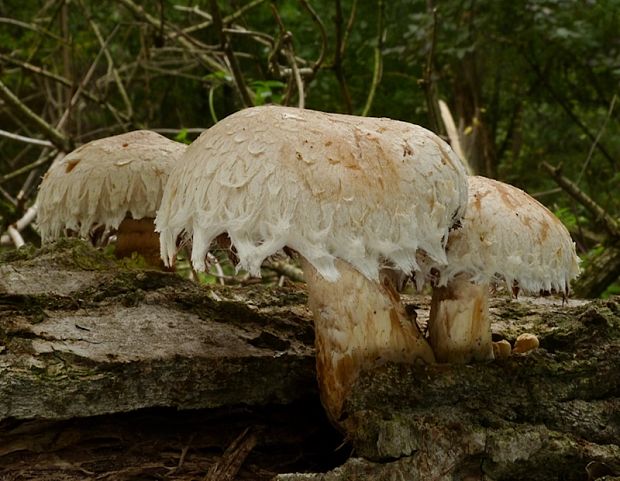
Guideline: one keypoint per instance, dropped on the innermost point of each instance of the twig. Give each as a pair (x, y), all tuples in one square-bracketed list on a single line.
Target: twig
[(230, 55), (104, 45), (239, 13), (15, 236), (58, 78), (338, 57), (284, 268), (212, 103), (214, 261), (55, 136), (315, 17), (289, 52), (569, 111), (20, 225), (349, 27), (209, 19), (378, 63), (188, 42), (27, 140), (228, 466), (260, 37), (600, 215), (184, 452), (85, 80), (31, 26), (597, 139)]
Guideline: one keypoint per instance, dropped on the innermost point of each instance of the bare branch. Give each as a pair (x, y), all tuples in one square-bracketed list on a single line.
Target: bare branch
[(565, 105), (27, 140), (104, 45), (285, 268), (84, 81), (15, 236), (286, 39), (27, 168), (597, 139), (188, 42), (315, 17), (230, 55), (31, 26), (20, 225), (55, 136), (338, 58), (600, 215), (378, 63), (58, 78)]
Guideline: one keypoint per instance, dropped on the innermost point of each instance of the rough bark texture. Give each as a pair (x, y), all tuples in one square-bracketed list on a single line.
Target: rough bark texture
[(81, 335), (551, 415)]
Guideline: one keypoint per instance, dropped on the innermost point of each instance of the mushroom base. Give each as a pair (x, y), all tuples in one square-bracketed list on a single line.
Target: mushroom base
[(358, 324), (139, 236), (459, 324)]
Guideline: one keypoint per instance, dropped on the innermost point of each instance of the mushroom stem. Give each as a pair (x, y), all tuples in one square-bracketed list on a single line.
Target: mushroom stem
[(358, 323), (139, 236), (459, 323)]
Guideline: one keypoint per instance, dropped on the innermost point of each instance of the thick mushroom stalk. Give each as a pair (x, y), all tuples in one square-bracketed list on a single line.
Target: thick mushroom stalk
[(505, 235), (139, 236), (358, 323), (459, 324)]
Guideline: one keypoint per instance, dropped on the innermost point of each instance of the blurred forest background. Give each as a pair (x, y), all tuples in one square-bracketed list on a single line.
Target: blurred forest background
[(532, 85)]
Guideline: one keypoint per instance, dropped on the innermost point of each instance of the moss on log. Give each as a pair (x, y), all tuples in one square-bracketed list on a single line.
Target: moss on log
[(82, 335)]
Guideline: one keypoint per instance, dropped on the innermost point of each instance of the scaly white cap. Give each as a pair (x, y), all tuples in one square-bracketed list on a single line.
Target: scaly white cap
[(329, 186), (507, 235), (101, 182)]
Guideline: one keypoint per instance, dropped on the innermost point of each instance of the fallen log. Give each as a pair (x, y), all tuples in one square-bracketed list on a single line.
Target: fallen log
[(82, 335)]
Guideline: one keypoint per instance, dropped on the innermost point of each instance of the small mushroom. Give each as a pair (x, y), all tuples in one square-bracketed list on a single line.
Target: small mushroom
[(502, 349), (108, 185), (349, 194), (525, 343), (506, 235)]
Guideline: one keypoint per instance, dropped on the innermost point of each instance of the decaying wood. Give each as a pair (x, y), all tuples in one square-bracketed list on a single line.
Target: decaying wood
[(82, 335), (544, 416)]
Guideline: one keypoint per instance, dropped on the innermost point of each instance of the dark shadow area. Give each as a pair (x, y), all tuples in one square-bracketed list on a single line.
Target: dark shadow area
[(165, 444)]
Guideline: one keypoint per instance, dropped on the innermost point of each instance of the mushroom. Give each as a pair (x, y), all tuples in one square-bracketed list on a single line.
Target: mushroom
[(109, 184), (506, 235), (348, 194)]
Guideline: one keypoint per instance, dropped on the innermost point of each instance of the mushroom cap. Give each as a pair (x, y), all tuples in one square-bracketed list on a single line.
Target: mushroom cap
[(329, 186), (101, 182), (508, 235)]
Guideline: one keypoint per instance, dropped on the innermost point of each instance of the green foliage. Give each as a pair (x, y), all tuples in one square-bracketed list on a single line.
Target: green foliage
[(530, 80), (267, 91)]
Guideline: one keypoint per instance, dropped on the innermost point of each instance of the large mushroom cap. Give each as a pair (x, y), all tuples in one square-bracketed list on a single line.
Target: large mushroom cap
[(326, 185), (508, 235), (103, 181)]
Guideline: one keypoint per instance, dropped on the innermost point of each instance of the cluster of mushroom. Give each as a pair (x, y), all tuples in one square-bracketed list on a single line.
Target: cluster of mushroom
[(357, 199)]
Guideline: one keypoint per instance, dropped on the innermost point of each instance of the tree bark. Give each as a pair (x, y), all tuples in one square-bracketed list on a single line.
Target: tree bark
[(82, 334)]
